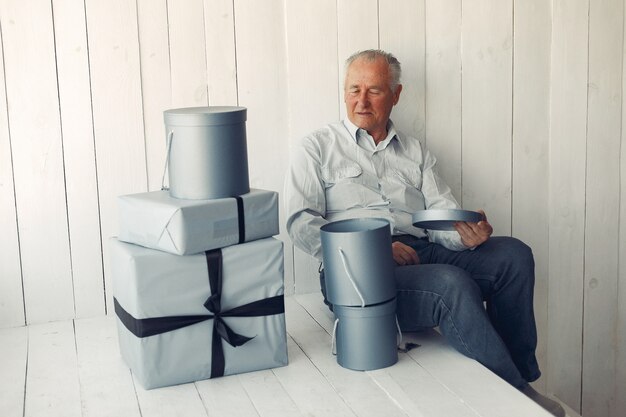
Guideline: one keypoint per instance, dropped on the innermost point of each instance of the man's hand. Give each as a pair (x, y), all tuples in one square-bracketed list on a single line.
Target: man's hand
[(403, 254), (474, 234)]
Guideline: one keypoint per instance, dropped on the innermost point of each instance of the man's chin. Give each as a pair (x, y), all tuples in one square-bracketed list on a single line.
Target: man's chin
[(362, 122)]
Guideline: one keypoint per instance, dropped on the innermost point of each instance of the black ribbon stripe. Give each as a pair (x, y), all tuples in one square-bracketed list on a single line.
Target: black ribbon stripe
[(241, 219), (158, 325), (221, 331)]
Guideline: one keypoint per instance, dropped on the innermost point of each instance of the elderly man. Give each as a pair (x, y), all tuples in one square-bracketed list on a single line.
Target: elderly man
[(365, 167)]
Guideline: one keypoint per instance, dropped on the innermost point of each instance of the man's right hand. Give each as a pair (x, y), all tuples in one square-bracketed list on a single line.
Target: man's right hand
[(404, 254)]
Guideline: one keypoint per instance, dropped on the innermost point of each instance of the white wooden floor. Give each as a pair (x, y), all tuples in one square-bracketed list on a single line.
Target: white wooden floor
[(73, 368)]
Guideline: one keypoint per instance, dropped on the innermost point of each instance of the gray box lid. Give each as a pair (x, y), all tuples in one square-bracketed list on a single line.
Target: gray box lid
[(205, 116)]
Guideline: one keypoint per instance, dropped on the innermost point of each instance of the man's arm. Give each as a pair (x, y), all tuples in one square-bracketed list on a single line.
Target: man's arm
[(305, 198)]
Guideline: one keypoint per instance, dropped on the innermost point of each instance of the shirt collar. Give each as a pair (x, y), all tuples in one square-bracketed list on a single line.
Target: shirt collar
[(391, 131)]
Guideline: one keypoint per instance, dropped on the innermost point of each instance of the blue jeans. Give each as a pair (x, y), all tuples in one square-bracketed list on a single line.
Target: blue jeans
[(447, 289)]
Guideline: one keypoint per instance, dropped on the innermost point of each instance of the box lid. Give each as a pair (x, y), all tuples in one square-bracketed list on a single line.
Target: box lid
[(205, 116)]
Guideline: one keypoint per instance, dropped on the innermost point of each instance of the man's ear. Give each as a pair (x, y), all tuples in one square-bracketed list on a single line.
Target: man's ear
[(396, 94)]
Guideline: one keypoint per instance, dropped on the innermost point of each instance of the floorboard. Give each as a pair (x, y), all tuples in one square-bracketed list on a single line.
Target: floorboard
[(13, 355), (52, 384), (106, 384), (74, 369)]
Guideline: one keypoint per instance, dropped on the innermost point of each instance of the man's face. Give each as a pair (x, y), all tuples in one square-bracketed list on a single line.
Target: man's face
[(368, 95)]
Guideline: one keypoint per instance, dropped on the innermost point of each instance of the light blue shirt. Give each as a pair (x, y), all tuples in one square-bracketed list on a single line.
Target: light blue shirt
[(338, 172)]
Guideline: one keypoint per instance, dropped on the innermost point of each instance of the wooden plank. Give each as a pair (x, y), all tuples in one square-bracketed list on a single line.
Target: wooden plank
[(357, 30), (620, 385), (117, 110), (262, 89), (409, 46), (176, 401), (79, 157), (604, 124), (260, 34), (481, 390), (156, 90), (52, 386), (226, 397), (221, 63), (443, 95), (13, 362), (11, 294), (187, 53), (566, 179), (487, 99), (312, 61), (531, 139), (311, 58), (357, 389), (308, 387), (419, 392), (30, 72), (106, 384), (268, 395), (306, 271)]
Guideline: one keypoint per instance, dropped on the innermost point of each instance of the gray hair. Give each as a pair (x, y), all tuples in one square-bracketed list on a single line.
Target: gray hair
[(374, 54)]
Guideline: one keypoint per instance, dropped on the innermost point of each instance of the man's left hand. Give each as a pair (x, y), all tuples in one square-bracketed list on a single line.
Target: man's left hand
[(474, 234)]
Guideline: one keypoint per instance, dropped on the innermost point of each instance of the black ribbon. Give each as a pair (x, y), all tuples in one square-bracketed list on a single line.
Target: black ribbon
[(241, 220), (157, 325)]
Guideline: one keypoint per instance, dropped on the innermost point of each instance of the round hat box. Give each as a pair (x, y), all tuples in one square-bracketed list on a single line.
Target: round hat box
[(358, 262), (366, 337), (207, 156)]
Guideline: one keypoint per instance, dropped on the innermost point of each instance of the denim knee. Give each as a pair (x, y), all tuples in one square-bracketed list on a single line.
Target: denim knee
[(512, 250), (428, 293)]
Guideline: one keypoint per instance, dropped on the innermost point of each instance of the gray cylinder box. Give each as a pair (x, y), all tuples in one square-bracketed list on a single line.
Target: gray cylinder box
[(367, 336), (208, 155), (358, 262)]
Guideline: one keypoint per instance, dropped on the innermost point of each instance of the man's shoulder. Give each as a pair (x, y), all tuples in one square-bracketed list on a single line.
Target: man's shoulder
[(327, 129), (325, 133), (411, 142)]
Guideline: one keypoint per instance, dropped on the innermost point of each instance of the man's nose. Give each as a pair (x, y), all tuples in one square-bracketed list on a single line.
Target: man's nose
[(363, 99)]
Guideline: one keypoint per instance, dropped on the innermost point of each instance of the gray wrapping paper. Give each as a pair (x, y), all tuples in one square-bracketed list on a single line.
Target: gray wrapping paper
[(149, 283), (183, 227)]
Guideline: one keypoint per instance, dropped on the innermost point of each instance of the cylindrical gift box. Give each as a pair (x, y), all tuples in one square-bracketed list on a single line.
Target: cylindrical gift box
[(208, 156), (358, 262), (366, 337)]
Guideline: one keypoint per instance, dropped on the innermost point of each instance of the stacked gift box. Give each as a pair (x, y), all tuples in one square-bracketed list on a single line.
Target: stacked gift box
[(198, 281), (359, 283)]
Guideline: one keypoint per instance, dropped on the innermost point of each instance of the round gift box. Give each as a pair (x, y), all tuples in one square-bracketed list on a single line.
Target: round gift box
[(208, 156), (358, 262), (366, 336)]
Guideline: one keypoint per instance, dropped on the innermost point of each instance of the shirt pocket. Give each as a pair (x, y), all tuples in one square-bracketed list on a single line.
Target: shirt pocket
[(337, 174), (408, 175), (344, 186)]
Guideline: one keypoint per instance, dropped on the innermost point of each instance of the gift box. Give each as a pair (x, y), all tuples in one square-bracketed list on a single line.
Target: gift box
[(184, 227), (187, 318)]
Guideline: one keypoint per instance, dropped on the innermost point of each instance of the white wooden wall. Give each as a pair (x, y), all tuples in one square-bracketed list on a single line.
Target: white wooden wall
[(520, 100)]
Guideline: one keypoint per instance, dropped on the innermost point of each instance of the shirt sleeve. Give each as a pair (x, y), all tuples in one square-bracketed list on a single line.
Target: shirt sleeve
[(438, 195), (305, 199)]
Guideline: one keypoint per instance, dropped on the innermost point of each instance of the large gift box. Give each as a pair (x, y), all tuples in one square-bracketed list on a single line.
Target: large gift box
[(184, 227), (187, 318)]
